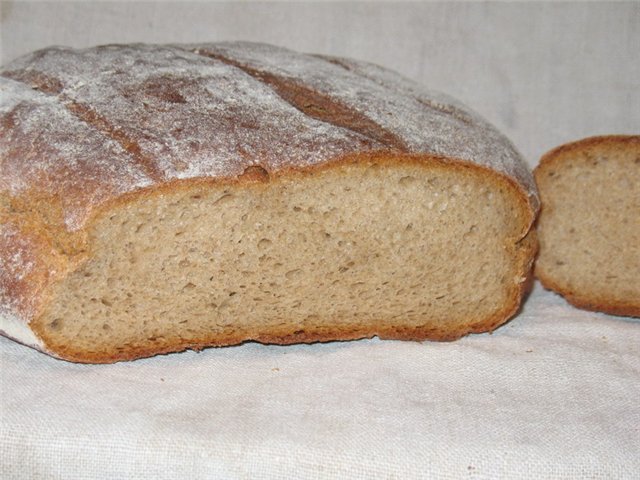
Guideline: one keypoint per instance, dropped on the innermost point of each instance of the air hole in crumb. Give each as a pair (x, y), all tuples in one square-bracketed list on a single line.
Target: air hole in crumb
[(255, 173), (189, 286), (56, 324), (231, 294), (471, 230), (223, 199), (292, 273), (408, 180), (106, 302), (106, 326), (264, 243)]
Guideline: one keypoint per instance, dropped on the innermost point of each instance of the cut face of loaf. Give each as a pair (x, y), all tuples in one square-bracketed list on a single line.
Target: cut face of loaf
[(159, 198), (398, 250), (589, 226)]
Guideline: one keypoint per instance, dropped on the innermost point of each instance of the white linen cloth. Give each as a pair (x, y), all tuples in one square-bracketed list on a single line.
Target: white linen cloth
[(553, 394)]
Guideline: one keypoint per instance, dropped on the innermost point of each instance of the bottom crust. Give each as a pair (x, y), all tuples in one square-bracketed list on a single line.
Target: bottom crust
[(593, 303)]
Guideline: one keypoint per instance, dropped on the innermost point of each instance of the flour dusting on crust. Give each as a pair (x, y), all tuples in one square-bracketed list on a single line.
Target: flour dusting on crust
[(81, 128)]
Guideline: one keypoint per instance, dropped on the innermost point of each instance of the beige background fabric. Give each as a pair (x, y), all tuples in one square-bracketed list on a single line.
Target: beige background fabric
[(553, 394)]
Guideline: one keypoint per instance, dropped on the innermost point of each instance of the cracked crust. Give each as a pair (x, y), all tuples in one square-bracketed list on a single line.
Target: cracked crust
[(83, 130)]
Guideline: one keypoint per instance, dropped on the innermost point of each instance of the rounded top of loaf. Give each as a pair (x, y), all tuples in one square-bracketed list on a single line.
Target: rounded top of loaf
[(79, 128)]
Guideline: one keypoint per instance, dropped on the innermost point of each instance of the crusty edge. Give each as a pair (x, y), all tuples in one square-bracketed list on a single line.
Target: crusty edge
[(25, 288), (555, 154), (593, 304), (549, 160), (524, 258)]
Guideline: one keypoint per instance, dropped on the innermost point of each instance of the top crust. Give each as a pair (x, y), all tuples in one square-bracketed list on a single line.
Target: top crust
[(161, 113), (80, 129), (606, 143)]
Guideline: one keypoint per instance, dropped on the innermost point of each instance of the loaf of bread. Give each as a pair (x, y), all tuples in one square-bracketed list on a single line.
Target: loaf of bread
[(589, 225), (156, 198)]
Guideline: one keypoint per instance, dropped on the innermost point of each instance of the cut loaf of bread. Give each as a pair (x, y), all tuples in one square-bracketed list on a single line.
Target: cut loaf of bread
[(589, 225), (156, 198)]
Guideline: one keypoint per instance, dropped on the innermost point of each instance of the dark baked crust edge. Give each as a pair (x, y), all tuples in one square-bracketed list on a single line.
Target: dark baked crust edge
[(555, 154)]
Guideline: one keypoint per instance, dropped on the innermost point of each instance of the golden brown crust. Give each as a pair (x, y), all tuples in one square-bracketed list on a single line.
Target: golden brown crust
[(549, 161), (556, 154), (20, 287)]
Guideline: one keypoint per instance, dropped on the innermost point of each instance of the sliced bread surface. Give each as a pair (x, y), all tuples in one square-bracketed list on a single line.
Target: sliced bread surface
[(589, 225)]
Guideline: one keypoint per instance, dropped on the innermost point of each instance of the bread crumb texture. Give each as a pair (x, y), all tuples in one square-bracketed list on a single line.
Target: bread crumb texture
[(159, 198), (589, 225)]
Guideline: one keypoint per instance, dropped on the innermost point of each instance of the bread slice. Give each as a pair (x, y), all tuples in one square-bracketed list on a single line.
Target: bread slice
[(589, 226), (159, 198)]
